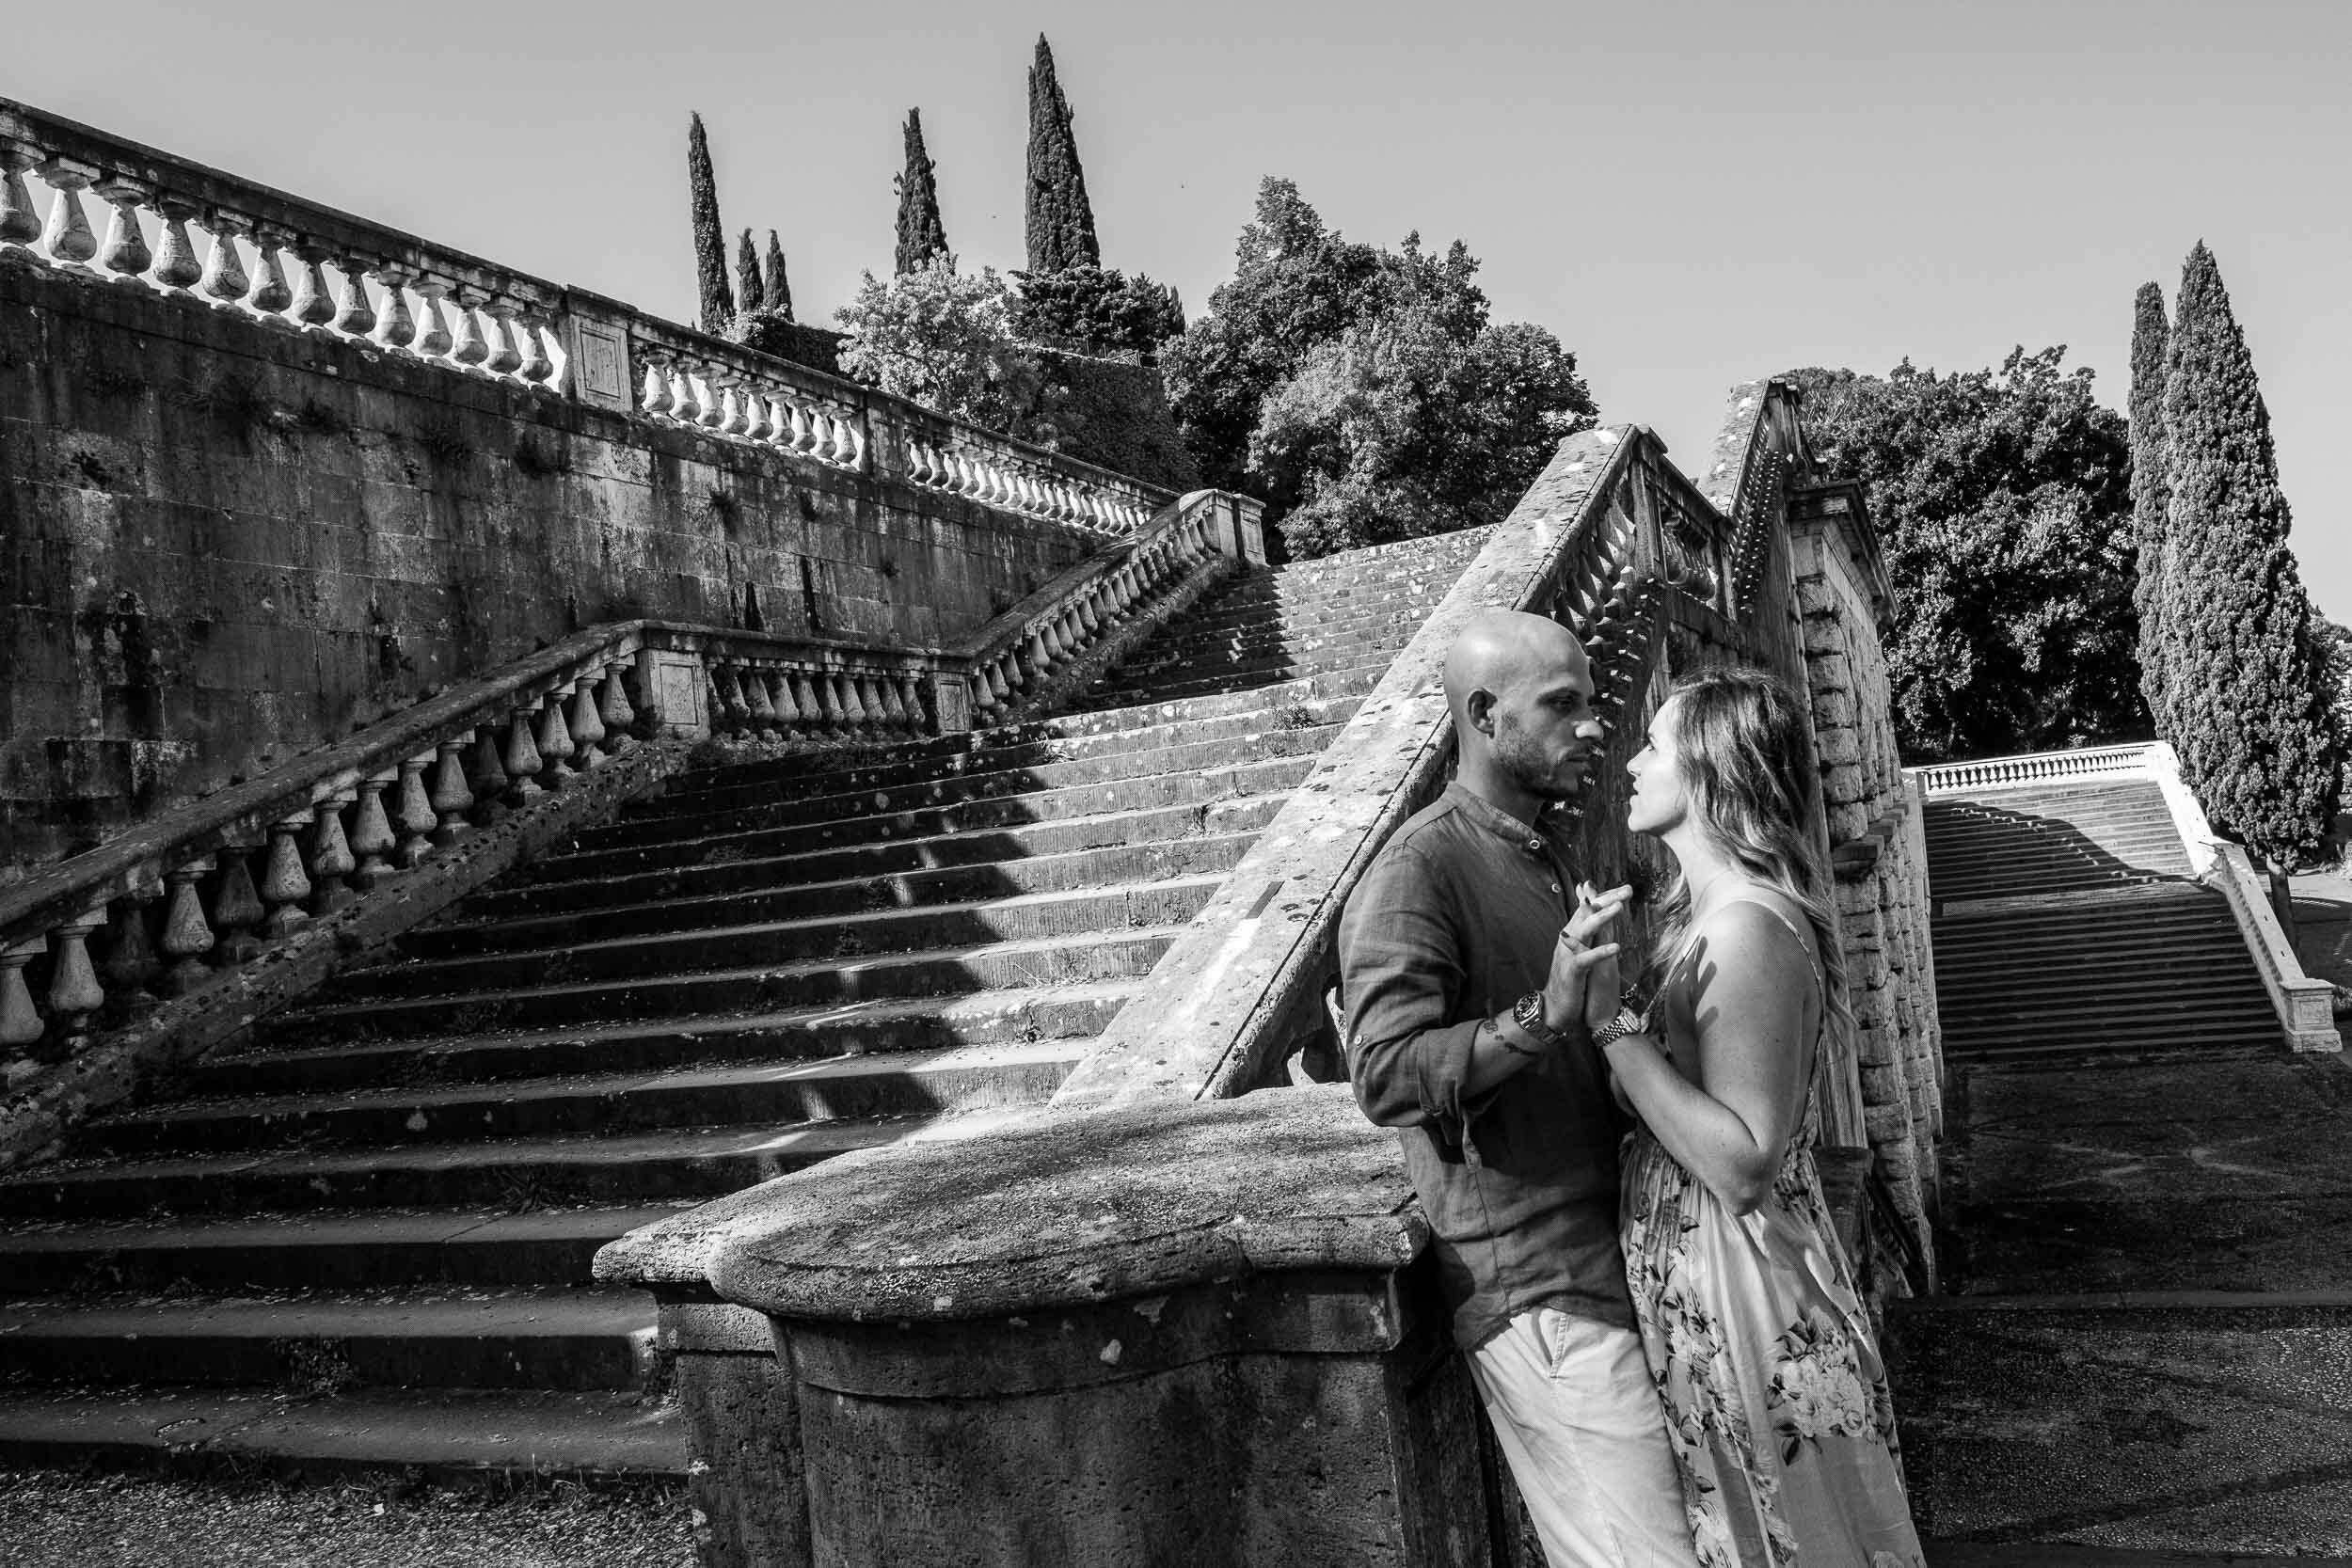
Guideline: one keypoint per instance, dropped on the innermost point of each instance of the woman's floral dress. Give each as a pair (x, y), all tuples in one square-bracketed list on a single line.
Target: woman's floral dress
[(1775, 1399)]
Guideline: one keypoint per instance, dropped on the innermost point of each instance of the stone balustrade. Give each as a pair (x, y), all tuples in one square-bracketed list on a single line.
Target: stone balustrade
[(2038, 768), (1048, 632), (290, 265)]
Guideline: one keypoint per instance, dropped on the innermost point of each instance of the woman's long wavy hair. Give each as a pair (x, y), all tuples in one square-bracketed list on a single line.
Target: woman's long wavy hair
[(1740, 742)]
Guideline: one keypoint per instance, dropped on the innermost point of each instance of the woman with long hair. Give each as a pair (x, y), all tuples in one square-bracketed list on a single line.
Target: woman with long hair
[(1776, 1400)]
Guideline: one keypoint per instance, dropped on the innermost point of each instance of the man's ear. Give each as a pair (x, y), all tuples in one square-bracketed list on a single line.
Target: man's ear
[(1481, 708)]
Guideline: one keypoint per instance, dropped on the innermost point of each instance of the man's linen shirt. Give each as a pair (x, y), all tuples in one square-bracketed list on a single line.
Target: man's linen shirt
[(1455, 921)]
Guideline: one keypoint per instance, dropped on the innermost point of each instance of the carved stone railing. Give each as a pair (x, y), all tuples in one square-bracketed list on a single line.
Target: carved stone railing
[(290, 265), (2303, 1003), (2036, 768)]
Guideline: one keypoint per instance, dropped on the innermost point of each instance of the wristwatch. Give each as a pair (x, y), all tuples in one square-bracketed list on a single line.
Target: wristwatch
[(1528, 1013), (1627, 1021)]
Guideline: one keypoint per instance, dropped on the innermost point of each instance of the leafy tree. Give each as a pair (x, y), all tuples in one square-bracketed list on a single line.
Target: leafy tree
[(2246, 701), (922, 235), (1058, 219), (945, 339), (2002, 500), (710, 241), (1362, 393), (1401, 427), (775, 290), (1296, 284), (747, 289), (2149, 465), (1097, 310)]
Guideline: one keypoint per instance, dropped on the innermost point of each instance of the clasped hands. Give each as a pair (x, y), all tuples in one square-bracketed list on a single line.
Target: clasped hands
[(1584, 986)]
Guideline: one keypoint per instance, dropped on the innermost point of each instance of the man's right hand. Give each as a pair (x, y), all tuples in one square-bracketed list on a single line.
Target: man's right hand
[(1583, 988)]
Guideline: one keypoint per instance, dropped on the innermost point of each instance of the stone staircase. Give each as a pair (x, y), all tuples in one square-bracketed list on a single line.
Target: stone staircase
[(363, 1238), (2146, 1356)]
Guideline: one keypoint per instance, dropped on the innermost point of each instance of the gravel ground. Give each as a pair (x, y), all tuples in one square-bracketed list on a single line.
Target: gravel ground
[(62, 1519)]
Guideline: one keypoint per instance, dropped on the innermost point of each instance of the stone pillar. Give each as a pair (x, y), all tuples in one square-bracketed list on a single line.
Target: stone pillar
[(677, 691), (1176, 1333)]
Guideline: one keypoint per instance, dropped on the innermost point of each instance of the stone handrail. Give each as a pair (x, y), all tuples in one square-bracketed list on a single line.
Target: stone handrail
[(2304, 1004), (2035, 767), (287, 263), (1596, 542)]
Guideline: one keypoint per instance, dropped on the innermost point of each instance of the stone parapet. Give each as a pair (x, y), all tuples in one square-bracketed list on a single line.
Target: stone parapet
[(1170, 1333)]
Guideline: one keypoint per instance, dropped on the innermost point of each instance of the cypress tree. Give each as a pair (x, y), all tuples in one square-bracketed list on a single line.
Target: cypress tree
[(2245, 702), (921, 234), (774, 287), (747, 289), (710, 241), (1059, 221), (2151, 460)]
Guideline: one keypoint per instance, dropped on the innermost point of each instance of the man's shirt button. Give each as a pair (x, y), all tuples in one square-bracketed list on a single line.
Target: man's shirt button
[(1555, 887)]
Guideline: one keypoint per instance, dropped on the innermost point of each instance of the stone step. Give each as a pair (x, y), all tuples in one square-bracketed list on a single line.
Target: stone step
[(518, 1173), (2189, 1428), (1075, 915), (576, 882), (838, 981), (2168, 911), (868, 1028), (1015, 747), (446, 1436), (642, 845), (1289, 697), (1255, 628), (2025, 877), (1359, 676), (345, 1250), (1977, 973), (757, 806), (323, 1342), (947, 886), (771, 1094), (1254, 669)]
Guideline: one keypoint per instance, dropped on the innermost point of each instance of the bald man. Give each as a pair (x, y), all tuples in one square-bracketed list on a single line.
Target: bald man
[(1465, 957)]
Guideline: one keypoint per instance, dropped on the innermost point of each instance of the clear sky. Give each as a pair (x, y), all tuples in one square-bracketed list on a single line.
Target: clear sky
[(1691, 193)]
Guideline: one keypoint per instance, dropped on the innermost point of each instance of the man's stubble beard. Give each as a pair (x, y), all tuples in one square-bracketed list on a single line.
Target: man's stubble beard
[(1516, 755)]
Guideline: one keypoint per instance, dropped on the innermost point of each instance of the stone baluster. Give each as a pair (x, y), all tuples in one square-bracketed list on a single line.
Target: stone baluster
[(918, 711), (685, 403), (490, 776), (130, 969), (354, 313), (1000, 682), (829, 701), (521, 761), (855, 431), (67, 238), (451, 797), (853, 712), (760, 708), (806, 702), (225, 280), (790, 717), (555, 742), (20, 221), (893, 710), (20, 1021), (536, 366), (758, 425), (236, 908), (395, 328), (619, 716), (869, 702), (780, 417), (713, 405), (433, 337), (654, 397), (506, 359), (586, 724), (74, 994), (313, 305), (284, 883), (186, 937), (467, 346), (176, 266), (978, 694), (413, 813), (732, 420), (1050, 643), (124, 250), (332, 862), (804, 433), (270, 295), (372, 837)]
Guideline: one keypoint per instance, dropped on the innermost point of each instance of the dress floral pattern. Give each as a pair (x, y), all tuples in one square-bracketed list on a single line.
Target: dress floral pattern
[(1783, 1427)]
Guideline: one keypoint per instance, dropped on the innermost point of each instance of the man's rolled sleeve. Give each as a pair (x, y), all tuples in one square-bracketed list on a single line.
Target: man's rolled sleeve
[(1401, 964)]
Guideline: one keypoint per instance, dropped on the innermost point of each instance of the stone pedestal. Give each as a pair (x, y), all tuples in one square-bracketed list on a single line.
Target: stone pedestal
[(1188, 1333)]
